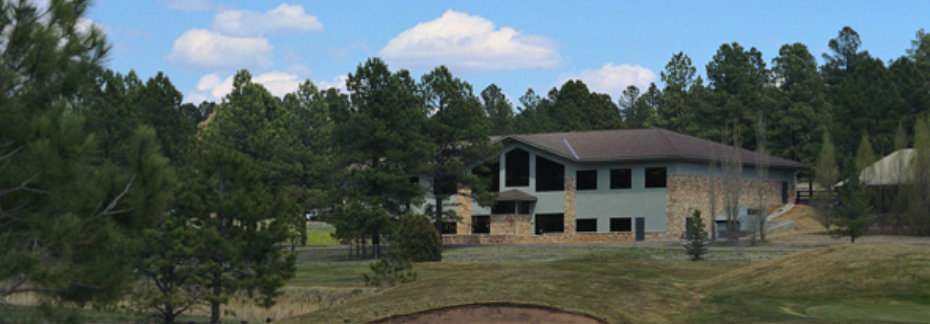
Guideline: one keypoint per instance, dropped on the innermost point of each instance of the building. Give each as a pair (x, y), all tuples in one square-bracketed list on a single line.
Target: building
[(611, 185)]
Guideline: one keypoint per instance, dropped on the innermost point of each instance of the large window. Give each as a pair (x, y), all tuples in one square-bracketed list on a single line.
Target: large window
[(448, 228), (587, 179), (491, 172), (481, 224), (518, 168), (550, 175), (504, 207), (550, 223), (586, 225), (655, 177), (624, 224), (621, 178)]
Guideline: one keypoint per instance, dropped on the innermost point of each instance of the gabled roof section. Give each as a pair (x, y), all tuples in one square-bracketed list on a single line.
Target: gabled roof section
[(515, 195), (636, 145)]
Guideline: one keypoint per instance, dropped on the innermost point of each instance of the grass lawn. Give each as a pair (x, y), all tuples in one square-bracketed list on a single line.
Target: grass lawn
[(318, 233), (860, 284)]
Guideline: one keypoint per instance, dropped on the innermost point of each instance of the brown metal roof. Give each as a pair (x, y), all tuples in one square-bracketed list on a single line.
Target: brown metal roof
[(515, 195), (636, 145)]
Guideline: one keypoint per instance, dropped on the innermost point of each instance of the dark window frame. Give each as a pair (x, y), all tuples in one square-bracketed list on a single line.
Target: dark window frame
[(504, 207), (617, 224), (481, 224), (550, 175), (651, 177), (448, 228), (587, 227), (621, 178), (547, 223), (583, 180), (516, 175)]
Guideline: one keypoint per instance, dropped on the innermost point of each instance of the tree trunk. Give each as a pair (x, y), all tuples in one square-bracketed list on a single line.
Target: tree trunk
[(762, 224), (215, 304), (376, 245), (439, 214)]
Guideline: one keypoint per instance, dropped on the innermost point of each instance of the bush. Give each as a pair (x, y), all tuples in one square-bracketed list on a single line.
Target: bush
[(418, 239), (393, 269)]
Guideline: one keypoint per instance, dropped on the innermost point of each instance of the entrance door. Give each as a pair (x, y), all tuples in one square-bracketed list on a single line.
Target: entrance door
[(640, 228), (784, 192)]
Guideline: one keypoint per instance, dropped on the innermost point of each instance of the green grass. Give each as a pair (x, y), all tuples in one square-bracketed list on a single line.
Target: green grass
[(647, 285), (319, 233)]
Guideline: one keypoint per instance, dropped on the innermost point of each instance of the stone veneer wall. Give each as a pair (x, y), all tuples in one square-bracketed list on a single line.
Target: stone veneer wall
[(463, 211), (569, 215), (510, 224), (689, 192)]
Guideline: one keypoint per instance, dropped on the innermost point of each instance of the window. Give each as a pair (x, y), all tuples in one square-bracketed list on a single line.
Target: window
[(518, 168), (524, 207), (448, 228), (621, 178), (586, 225), (504, 207), (655, 177), (550, 223), (550, 175), (621, 224), (587, 179), (491, 172), (481, 224)]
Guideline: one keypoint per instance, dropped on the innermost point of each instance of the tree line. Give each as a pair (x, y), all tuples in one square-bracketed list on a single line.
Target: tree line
[(112, 188)]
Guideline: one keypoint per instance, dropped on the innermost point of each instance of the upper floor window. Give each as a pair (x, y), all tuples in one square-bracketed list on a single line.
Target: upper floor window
[(621, 178), (587, 179), (491, 172), (655, 177), (550, 175), (517, 168)]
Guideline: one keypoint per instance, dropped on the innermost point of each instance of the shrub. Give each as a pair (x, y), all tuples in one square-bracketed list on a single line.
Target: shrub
[(417, 238), (393, 269)]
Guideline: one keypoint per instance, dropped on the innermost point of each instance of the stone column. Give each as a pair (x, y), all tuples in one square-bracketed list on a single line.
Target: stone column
[(463, 211), (570, 194)]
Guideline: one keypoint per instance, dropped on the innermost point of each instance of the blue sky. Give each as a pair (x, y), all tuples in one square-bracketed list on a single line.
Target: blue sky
[(517, 45)]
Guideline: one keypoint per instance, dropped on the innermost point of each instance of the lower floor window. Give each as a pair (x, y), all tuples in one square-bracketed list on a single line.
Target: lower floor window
[(624, 224), (550, 223), (448, 228), (481, 224), (586, 225)]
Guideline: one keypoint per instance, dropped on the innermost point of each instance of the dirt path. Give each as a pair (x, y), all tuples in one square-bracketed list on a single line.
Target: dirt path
[(500, 313)]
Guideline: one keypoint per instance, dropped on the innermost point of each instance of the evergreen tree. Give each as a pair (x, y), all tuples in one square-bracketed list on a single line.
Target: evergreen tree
[(240, 223), (243, 196), (381, 140), (456, 118), (69, 214), (826, 173), (845, 58), (499, 110), (674, 101), (417, 239), (697, 245), (802, 111), (851, 218)]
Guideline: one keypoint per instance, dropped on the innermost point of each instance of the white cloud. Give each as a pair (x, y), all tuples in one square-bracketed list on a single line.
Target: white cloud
[(461, 41), (338, 82), (213, 88), (206, 50), (191, 5), (613, 79), (283, 19)]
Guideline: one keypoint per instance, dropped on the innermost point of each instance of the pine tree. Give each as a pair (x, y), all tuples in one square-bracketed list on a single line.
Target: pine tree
[(697, 245), (851, 218), (69, 215)]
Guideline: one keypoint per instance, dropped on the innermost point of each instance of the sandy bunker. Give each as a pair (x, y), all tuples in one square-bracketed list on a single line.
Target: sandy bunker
[(493, 313)]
